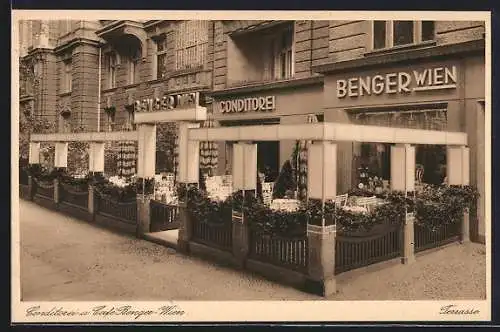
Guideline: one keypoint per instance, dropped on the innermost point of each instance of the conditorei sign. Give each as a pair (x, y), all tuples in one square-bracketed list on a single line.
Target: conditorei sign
[(168, 102), (256, 104), (438, 78)]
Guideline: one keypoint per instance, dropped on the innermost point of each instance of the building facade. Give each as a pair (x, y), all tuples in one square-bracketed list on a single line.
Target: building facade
[(415, 74)]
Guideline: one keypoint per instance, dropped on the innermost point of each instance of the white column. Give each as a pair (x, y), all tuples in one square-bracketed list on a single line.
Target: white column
[(96, 157), (61, 155), (34, 153), (457, 165), (403, 167), (244, 166), (146, 157), (189, 154), (322, 170)]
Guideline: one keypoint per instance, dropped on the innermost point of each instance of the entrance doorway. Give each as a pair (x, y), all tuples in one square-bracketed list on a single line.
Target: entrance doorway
[(268, 152)]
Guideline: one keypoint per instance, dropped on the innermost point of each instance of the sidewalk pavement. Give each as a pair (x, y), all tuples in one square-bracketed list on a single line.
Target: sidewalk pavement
[(63, 258)]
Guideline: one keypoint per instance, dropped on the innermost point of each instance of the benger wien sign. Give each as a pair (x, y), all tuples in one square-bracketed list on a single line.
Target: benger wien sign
[(438, 78)]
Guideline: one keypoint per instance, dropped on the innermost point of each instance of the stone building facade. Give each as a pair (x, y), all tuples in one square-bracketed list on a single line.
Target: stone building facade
[(264, 72)]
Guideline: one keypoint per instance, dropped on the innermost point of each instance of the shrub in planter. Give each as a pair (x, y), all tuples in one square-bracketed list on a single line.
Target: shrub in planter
[(122, 194), (441, 205)]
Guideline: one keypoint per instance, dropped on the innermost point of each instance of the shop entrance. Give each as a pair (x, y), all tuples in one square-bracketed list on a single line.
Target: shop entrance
[(268, 152)]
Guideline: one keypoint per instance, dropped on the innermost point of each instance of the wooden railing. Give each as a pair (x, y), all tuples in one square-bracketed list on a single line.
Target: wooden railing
[(72, 196), (44, 190), (163, 216), (122, 211), (216, 235), (353, 251), (290, 253), (426, 238)]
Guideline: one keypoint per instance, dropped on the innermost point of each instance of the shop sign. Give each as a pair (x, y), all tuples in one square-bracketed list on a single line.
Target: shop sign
[(256, 104), (168, 102), (404, 82)]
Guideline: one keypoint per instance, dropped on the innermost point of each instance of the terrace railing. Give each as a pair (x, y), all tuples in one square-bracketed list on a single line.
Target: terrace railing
[(426, 238), (353, 250), (218, 235), (73, 196), (44, 190), (163, 216), (125, 212), (290, 253)]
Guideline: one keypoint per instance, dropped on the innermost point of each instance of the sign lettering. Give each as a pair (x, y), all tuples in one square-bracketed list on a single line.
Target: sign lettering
[(167, 102), (438, 78), (248, 105)]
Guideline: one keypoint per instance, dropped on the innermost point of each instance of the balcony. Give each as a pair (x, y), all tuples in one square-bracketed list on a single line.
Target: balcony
[(261, 57)]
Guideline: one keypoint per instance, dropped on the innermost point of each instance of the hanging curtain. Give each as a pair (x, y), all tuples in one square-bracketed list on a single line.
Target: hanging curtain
[(176, 153), (127, 159), (209, 153), (302, 162)]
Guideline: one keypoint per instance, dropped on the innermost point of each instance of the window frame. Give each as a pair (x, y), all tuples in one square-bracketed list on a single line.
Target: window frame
[(67, 76), (112, 64), (191, 50), (288, 51), (389, 35), (163, 53), (133, 74)]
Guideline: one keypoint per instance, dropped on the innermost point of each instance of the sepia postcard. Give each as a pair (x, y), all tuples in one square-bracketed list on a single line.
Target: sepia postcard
[(239, 166)]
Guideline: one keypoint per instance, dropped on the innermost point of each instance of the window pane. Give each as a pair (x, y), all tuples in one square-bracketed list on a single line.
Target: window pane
[(403, 32), (283, 65), (427, 30), (379, 34), (161, 66), (160, 45)]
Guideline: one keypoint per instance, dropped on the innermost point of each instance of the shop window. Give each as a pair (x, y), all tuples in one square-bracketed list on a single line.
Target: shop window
[(161, 58), (388, 34), (191, 44), (112, 63), (373, 159), (67, 79)]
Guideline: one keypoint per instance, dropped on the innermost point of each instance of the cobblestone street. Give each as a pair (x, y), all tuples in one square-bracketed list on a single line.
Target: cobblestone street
[(64, 259)]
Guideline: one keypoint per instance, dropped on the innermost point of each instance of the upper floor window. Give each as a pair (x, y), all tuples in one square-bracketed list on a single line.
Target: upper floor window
[(67, 77), (161, 57), (388, 34), (191, 44), (111, 66), (428, 30), (402, 33), (285, 54), (133, 67)]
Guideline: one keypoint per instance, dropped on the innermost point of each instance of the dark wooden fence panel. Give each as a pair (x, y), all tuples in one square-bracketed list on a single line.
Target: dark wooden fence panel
[(426, 238), (219, 236), (163, 217), (353, 251), (125, 212), (290, 253), (44, 194), (44, 190), (72, 196)]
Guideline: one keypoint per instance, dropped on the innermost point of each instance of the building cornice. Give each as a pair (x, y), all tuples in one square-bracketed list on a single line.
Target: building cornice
[(76, 41), (376, 60), (266, 86), (117, 25)]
